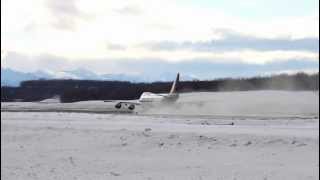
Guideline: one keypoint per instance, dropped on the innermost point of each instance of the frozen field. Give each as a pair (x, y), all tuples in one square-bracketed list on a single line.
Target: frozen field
[(240, 135)]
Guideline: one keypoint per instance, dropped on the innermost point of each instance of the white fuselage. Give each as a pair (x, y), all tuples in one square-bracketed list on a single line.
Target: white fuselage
[(152, 97)]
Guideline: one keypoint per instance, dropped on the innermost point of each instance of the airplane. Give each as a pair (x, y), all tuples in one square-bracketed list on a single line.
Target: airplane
[(149, 97)]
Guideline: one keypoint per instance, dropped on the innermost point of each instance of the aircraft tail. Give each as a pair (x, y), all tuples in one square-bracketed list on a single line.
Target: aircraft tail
[(174, 85)]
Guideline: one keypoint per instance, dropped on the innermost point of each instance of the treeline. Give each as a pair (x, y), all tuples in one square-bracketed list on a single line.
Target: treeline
[(81, 90)]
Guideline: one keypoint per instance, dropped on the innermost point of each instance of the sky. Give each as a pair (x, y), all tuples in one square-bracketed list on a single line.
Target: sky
[(203, 38)]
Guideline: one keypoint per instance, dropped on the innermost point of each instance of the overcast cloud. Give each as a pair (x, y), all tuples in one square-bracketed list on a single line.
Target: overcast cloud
[(64, 34), (233, 41)]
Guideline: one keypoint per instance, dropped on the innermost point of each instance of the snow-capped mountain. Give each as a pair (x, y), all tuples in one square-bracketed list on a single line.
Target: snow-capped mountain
[(10, 77)]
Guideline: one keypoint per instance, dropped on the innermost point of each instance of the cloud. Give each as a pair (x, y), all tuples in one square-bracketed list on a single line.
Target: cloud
[(116, 47), (168, 30), (66, 13), (30, 27), (201, 68), (233, 41), (52, 62), (28, 63), (130, 9), (295, 71), (3, 54), (206, 69)]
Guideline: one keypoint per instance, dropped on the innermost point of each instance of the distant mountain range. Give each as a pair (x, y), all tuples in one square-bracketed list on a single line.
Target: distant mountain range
[(10, 77)]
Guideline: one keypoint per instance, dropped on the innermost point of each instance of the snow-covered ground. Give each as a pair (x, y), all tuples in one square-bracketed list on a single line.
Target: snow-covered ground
[(239, 135)]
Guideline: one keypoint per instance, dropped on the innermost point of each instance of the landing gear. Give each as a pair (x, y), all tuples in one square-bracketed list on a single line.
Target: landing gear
[(129, 106), (118, 106)]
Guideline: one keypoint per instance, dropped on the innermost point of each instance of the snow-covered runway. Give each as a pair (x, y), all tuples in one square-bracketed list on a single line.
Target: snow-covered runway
[(97, 146)]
